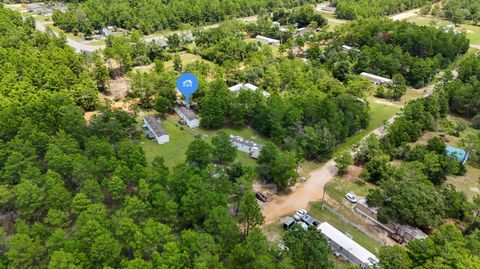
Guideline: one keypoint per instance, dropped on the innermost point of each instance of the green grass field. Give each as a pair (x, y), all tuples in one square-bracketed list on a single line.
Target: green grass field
[(473, 32), (181, 136), (358, 236)]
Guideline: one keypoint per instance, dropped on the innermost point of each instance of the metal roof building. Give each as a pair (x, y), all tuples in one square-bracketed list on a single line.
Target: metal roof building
[(154, 126), (188, 116), (378, 80), (348, 248)]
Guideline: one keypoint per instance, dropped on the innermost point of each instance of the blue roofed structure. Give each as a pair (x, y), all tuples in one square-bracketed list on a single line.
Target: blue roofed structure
[(460, 154)]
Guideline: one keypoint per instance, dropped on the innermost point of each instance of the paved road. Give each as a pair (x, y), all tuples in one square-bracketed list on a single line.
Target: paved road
[(78, 46), (81, 47)]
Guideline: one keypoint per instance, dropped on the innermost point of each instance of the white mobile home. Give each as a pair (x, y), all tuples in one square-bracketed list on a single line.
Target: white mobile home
[(377, 80), (246, 86), (154, 126), (188, 116), (251, 148), (267, 40), (348, 248)]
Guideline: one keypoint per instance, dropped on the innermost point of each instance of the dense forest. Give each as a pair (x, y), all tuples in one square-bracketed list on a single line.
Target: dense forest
[(150, 16), (463, 92), (355, 9), (461, 10), (386, 48)]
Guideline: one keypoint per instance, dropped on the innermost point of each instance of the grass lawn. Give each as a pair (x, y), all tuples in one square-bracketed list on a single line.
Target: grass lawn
[(187, 58), (358, 236), (468, 183), (96, 43), (181, 136), (379, 114), (473, 32), (69, 35), (337, 188)]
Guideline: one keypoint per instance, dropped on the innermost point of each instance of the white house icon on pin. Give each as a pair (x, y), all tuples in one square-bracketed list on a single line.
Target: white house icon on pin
[(187, 83)]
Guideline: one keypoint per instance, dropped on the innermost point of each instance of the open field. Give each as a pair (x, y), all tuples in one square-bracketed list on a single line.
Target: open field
[(181, 136), (473, 32)]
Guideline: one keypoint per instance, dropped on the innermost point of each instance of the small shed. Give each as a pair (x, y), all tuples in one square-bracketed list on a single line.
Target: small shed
[(460, 154), (288, 222)]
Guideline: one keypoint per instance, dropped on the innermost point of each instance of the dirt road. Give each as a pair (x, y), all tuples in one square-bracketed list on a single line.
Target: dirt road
[(405, 15), (312, 190)]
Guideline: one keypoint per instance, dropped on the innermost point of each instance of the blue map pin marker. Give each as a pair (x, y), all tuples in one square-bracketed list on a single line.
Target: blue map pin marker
[(187, 84)]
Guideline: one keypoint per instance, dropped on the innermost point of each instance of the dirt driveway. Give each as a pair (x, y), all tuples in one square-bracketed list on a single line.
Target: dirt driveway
[(301, 195), (405, 15)]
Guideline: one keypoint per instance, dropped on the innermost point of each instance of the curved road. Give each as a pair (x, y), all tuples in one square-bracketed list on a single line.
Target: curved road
[(78, 46)]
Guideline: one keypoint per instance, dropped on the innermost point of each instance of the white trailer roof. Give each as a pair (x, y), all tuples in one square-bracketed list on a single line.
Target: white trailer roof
[(348, 244)]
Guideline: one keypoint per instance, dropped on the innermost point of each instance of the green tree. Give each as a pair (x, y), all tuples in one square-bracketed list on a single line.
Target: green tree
[(343, 162), (308, 248), (223, 149), (24, 252), (394, 257), (199, 153), (249, 215)]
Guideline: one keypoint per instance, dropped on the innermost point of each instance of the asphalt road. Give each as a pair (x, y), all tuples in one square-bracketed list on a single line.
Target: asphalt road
[(78, 46)]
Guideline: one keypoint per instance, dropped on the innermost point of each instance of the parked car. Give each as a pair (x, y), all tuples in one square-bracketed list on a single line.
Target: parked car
[(350, 197), (260, 196), (299, 214)]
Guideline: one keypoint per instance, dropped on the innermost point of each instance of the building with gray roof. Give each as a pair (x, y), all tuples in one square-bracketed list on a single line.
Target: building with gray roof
[(153, 126)]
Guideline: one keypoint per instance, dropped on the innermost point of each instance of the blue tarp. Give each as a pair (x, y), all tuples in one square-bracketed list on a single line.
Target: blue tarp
[(460, 154)]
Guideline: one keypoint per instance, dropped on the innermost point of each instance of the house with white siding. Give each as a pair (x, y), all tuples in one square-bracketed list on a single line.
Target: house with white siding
[(267, 40), (153, 126), (346, 247), (377, 80), (187, 115), (246, 86), (251, 148)]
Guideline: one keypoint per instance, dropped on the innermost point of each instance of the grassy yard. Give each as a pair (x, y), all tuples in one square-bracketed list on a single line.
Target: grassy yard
[(69, 35), (181, 136), (473, 32), (358, 236), (337, 188), (468, 183), (187, 58), (379, 114)]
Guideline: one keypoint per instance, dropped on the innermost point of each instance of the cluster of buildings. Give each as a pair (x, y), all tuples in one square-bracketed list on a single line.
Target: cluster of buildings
[(45, 10), (154, 131)]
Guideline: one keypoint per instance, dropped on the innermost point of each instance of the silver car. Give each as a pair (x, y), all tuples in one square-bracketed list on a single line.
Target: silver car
[(350, 197)]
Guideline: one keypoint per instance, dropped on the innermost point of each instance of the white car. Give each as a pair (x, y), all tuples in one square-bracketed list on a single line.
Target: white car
[(350, 197), (299, 214)]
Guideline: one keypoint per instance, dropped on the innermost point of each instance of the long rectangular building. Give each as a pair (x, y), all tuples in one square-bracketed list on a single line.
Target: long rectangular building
[(154, 126), (251, 148), (377, 80), (348, 248)]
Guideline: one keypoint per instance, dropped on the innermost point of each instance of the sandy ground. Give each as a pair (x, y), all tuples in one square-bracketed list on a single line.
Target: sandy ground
[(405, 15), (312, 190), (118, 88)]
